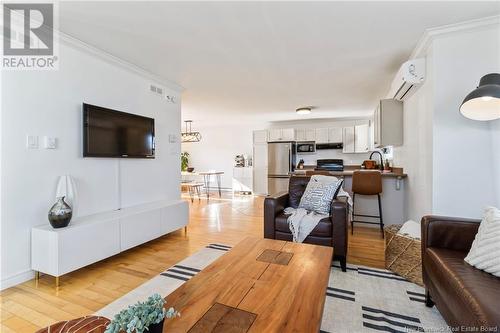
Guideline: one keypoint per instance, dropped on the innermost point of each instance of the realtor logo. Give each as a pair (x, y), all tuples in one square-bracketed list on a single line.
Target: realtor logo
[(29, 36)]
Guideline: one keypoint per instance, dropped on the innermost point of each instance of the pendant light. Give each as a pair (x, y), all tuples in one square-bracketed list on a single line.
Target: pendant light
[(189, 135), (483, 103)]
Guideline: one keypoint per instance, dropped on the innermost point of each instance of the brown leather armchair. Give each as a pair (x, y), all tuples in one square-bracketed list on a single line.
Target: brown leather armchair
[(331, 231), (468, 298)]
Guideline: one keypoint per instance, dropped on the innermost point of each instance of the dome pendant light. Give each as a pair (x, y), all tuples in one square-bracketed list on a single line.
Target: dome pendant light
[(483, 103)]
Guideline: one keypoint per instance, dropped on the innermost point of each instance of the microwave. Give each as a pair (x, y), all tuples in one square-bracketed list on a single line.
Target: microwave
[(305, 147)]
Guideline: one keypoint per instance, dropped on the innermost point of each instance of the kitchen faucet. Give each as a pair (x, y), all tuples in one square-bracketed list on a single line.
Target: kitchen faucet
[(381, 167)]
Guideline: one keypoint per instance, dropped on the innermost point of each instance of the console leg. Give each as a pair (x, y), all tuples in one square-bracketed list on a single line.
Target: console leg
[(37, 278), (428, 300), (57, 282)]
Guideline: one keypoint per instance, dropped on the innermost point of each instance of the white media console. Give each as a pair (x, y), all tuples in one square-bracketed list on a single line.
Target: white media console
[(89, 239)]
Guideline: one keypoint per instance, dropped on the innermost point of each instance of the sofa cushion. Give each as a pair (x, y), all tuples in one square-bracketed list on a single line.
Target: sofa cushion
[(323, 229), (309, 239), (466, 289)]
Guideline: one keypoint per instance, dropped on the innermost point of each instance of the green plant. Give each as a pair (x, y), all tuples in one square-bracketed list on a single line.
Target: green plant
[(138, 317), (184, 160)]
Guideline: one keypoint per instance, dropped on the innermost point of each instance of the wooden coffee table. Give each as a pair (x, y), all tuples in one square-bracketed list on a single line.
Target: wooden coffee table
[(261, 285)]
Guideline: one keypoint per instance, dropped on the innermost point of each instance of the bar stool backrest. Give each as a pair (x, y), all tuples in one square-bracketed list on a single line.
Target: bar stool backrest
[(367, 182)]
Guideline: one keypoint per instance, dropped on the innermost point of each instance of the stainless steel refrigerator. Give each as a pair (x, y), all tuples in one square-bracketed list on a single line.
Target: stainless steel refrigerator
[(281, 163)]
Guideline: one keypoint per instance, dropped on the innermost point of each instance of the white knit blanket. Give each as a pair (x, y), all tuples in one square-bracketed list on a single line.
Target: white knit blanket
[(302, 222)]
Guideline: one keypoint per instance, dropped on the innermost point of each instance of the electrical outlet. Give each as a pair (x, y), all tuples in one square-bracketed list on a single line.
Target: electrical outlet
[(49, 142)]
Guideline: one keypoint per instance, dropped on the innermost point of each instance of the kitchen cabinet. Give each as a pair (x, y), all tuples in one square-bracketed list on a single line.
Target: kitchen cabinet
[(282, 134), (329, 135), (361, 138), (348, 139), (302, 134), (356, 139), (335, 135), (260, 168), (322, 135), (260, 136), (388, 123)]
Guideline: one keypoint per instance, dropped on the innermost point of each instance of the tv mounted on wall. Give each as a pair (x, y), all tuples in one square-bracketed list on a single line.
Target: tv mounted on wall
[(111, 133)]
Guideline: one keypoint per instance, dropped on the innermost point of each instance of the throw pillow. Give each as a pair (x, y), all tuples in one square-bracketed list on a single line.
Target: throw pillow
[(485, 250), (319, 193)]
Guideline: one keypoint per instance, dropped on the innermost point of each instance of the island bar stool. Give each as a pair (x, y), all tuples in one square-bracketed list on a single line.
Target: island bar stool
[(367, 182)]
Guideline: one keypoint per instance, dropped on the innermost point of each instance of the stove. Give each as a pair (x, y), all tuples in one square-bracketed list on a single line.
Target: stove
[(330, 165)]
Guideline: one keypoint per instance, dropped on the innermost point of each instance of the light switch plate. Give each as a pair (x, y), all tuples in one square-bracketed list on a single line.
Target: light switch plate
[(49, 142), (32, 142), (172, 138)]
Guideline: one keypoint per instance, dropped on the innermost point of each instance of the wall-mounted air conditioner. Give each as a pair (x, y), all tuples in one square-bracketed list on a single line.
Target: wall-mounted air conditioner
[(410, 76)]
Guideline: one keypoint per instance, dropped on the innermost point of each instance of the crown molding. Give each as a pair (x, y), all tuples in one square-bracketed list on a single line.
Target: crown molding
[(114, 60), (431, 33)]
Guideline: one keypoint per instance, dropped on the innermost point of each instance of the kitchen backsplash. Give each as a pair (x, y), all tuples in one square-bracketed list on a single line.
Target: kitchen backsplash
[(333, 153), (349, 159)]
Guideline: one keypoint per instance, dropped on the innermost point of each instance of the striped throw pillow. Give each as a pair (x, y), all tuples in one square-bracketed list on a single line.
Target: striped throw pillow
[(319, 193), (485, 250)]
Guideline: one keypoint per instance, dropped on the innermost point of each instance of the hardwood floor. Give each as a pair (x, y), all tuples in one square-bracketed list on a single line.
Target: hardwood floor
[(27, 307)]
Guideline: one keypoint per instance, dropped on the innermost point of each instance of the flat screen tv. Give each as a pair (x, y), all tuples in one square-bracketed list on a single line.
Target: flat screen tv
[(111, 133)]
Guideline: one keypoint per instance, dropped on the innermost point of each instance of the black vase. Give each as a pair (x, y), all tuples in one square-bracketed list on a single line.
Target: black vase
[(60, 214), (156, 328)]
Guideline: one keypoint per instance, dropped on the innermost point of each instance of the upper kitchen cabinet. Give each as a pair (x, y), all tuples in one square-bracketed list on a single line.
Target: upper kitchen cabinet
[(322, 135), (335, 135), (388, 123), (361, 138), (305, 134), (356, 139), (282, 134), (260, 136), (348, 139), (329, 135)]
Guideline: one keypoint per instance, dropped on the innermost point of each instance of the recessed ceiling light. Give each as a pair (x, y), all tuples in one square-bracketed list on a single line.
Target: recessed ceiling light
[(305, 110)]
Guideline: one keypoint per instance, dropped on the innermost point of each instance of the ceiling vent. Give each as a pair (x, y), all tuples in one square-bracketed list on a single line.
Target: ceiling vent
[(409, 78), (156, 90)]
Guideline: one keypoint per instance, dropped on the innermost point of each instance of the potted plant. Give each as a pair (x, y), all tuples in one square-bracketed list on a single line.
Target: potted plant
[(184, 161), (142, 316)]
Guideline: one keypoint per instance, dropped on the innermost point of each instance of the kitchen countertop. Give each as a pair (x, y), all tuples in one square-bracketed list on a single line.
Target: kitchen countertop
[(348, 171)]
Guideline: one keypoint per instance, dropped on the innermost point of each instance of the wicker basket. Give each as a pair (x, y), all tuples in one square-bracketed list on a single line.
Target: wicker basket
[(403, 255)]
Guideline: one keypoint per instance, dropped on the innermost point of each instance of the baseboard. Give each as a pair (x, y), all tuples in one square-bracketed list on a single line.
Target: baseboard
[(17, 279)]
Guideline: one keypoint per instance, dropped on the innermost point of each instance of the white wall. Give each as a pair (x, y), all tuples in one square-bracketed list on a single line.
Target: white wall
[(452, 162), (495, 163), (415, 156), (218, 148), (461, 144), (49, 103)]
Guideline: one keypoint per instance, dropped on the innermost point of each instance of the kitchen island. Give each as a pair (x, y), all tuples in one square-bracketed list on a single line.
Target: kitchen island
[(393, 196)]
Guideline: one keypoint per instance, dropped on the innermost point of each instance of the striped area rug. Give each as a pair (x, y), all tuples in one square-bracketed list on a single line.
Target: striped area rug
[(362, 299)]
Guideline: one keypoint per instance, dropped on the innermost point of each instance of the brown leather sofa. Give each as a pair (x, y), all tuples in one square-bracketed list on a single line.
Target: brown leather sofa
[(467, 298), (331, 231)]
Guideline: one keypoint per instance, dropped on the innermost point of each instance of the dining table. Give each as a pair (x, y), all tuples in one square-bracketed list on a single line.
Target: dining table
[(207, 179)]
